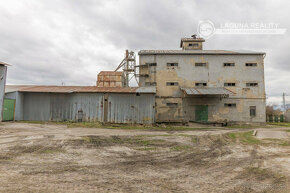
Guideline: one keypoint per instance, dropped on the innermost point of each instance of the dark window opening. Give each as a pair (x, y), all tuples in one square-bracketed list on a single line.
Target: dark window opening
[(137, 94), (152, 64), (229, 64), (230, 105), (251, 84), (172, 104), (172, 64), (230, 84), (200, 64), (252, 111), (200, 84), (251, 64), (193, 45), (171, 83)]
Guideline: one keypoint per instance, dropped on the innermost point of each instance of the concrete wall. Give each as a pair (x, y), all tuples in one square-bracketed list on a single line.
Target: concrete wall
[(122, 108), (3, 74), (215, 75)]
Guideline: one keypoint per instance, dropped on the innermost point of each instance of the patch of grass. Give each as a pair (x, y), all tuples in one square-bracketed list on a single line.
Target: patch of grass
[(194, 139), (118, 126), (232, 135), (280, 124), (288, 130), (180, 148), (244, 137), (51, 151), (286, 143)]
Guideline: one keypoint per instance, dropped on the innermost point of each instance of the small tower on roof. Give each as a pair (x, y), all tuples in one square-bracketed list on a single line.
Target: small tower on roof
[(193, 43)]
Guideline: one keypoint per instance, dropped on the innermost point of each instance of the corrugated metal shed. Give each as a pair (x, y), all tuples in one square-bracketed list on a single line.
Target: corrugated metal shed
[(77, 89), (207, 91), (77, 103), (199, 52)]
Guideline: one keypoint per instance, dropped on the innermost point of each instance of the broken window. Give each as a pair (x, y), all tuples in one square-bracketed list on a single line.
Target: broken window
[(193, 45), (229, 64), (252, 111), (251, 64), (152, 64), (172, 64), (230, 105), (171, 83), (200, 64), (230, 84), (172, 104), (150, 83), (200, 84), (252, 84)]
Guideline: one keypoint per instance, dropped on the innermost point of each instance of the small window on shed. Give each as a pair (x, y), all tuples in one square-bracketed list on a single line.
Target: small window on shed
[(172, 104), (171, 83), (230, 105), (229, 64), (229, 84), (172, 64), (250, 84), (200, 84), (252, 111), (200, 64), (251, 64)]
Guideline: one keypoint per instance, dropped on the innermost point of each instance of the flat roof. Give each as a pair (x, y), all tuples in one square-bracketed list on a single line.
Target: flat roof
[(111, 73), (77, 89), (199, 52)]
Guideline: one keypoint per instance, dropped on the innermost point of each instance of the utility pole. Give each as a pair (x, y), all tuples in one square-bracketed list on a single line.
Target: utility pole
[(284, 103)]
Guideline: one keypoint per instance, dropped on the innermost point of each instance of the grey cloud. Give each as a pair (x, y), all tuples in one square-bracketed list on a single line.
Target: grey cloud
[(49, 42)]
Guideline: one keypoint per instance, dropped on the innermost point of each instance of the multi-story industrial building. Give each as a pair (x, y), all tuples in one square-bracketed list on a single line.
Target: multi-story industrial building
[(205, 85)]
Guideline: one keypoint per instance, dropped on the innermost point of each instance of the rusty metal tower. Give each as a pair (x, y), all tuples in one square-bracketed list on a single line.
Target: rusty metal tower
[(128, 64)]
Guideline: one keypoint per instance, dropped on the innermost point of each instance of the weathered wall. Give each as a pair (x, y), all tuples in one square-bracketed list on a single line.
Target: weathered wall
[(215, 75), (131, 108), (122, 108), (3, 72)]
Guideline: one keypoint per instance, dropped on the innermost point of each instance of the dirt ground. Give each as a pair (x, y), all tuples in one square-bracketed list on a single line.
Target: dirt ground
[(54, 158)]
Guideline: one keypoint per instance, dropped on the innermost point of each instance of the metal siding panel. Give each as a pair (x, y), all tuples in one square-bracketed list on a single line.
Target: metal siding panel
[(129, 108)]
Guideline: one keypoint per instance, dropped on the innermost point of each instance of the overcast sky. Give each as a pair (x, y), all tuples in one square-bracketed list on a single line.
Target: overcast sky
[(53, 41)]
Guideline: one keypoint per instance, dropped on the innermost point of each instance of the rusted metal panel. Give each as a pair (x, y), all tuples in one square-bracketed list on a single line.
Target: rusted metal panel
[(72, 89), (207, 91), (110, 79), (129, 108)]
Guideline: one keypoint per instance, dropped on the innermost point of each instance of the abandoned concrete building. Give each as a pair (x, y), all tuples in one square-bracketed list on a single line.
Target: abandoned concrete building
[(184, 85), (193, 84)]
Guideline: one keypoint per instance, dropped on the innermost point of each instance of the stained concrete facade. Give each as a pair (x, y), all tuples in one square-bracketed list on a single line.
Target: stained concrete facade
[(172, 70)]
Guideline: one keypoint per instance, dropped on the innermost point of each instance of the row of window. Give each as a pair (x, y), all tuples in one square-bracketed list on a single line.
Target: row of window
[(233, 105), (227, 84), (203, 64)]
